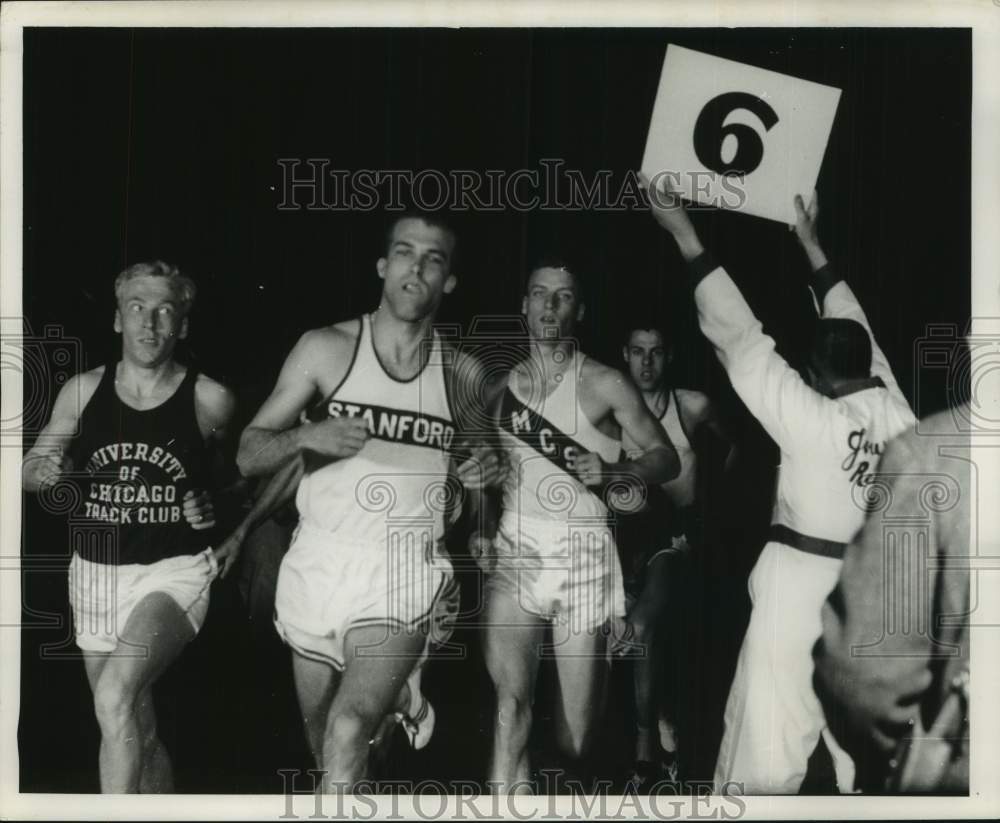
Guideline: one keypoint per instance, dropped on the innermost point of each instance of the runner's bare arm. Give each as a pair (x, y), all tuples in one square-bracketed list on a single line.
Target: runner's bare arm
[(279, 489), (270, 440), (475, 398), (487, 509), (658, 462), (833, 297), (215, 406), (698, 411), (47, 459), (655, 460)]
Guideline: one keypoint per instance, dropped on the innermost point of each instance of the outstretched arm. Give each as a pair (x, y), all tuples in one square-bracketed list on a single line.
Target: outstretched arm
[(771, 389), (833, 296)]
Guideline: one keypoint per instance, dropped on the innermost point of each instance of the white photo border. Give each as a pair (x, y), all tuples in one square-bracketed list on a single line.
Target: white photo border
[(982, 16)]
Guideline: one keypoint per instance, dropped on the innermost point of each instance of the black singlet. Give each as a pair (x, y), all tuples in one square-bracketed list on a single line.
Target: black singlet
[(137, 466)]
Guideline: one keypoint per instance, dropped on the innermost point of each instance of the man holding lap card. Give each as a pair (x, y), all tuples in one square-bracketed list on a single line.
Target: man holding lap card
[(831, 430)]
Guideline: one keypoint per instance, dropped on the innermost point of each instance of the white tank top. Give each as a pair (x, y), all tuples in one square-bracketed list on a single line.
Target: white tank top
[(542, 441), (681, 489), (399, 479)]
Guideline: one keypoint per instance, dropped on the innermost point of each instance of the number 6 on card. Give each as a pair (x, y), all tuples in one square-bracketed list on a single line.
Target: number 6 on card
[(738, 137)]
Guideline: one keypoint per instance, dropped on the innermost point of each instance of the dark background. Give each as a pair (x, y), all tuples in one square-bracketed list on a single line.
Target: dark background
[(165, 143)]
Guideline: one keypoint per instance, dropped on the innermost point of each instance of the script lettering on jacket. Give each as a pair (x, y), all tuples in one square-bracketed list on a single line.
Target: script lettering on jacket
[(859, 447)]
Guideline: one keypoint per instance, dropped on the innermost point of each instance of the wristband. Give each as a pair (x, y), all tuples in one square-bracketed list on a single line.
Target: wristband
[(822, 280), (699, 268)]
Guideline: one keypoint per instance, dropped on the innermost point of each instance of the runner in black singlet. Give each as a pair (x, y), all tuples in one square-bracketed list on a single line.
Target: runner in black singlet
[(134, 436)]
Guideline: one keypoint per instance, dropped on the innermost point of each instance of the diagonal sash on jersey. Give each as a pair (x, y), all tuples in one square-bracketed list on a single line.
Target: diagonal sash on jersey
[(542, 436)]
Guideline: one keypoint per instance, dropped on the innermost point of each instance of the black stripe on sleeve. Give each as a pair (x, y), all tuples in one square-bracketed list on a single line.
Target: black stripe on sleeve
[(699, 268), (822, 280)]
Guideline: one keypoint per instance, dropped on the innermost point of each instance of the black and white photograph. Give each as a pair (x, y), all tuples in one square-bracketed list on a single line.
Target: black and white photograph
[(512, 411)]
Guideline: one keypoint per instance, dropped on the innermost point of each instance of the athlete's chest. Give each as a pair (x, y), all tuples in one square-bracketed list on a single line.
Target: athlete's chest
[(551, 425), (565, 398), (410, 412), (146, 401)]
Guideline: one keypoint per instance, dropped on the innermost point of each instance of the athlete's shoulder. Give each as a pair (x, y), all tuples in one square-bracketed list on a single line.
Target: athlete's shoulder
[(329, 341), (694, 402), (215, 404), (470, 370), (594, 369), (614, 388), (603, 377), (77, 391), (73, 398), (211, 394), (336, 334), (458, 355), (86, 381)]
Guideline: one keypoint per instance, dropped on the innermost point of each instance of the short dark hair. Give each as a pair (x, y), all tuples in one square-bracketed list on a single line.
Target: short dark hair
[(436, 219), (841, 348), (554, 260), (646, 323)]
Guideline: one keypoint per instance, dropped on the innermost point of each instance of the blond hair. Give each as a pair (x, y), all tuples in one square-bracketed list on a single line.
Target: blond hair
[(182, 285)]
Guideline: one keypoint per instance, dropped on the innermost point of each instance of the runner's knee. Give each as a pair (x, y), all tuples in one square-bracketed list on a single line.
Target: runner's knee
[(507, 669), (114, 704), (349, 728), (514, 714)]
